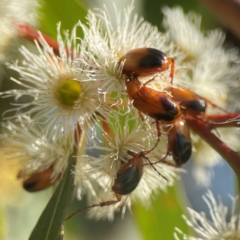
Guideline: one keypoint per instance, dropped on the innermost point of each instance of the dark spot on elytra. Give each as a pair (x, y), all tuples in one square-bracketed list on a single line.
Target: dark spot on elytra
[(196, 105), (127, 181), (154, 58), (182, 149)]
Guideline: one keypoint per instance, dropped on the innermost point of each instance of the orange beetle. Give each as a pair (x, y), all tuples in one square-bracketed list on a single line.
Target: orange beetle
[(129, 175), (39, 180), (179, 142), (188, 100), (141, 62), (191, 102), (144, 62), (160, 105), (153, 103)]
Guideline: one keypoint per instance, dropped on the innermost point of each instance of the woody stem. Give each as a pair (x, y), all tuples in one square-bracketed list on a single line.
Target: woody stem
[(222, 120), (32, 34), (228, 12), (204, 131)]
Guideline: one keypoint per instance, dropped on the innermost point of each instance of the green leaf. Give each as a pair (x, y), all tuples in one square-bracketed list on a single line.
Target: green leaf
[(159, 221), (64, 11), (50, 223)]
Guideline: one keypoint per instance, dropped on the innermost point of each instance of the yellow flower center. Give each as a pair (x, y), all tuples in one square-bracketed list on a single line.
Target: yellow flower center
[(68, 92)]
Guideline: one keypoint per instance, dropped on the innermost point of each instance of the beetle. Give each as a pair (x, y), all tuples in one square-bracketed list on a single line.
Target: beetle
[(179, 142), (141, 62), (189, 101), (151, 102), (39, 180), (163, 107), (129, 175)]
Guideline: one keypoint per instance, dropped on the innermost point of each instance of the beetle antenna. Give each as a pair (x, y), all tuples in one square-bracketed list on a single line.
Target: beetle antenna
[(158, 140), (101, 204), (152, 165)]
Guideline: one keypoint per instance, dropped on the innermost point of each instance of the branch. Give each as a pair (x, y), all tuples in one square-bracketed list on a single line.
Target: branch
[(222, 120), (227, 11), (204, 131), (32, 34)]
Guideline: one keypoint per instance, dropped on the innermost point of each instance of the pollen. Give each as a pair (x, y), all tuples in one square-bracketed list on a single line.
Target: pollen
[(68, 92)]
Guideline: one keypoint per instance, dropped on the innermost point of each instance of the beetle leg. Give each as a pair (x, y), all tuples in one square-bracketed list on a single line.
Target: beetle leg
[(152, 165), (171, 61), (158, 130), (101, 204), (148, 81), (215, 105), (141, 116)]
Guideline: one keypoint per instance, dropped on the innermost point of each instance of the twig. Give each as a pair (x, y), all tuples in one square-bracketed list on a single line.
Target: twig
[(222, 120), (227, 11), (32, 34), (204, 131)]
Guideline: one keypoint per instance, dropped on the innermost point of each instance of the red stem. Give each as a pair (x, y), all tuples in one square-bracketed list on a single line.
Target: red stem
[(32, 34), (227, 11), (77, 138), (222, 120), (204, 131)]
